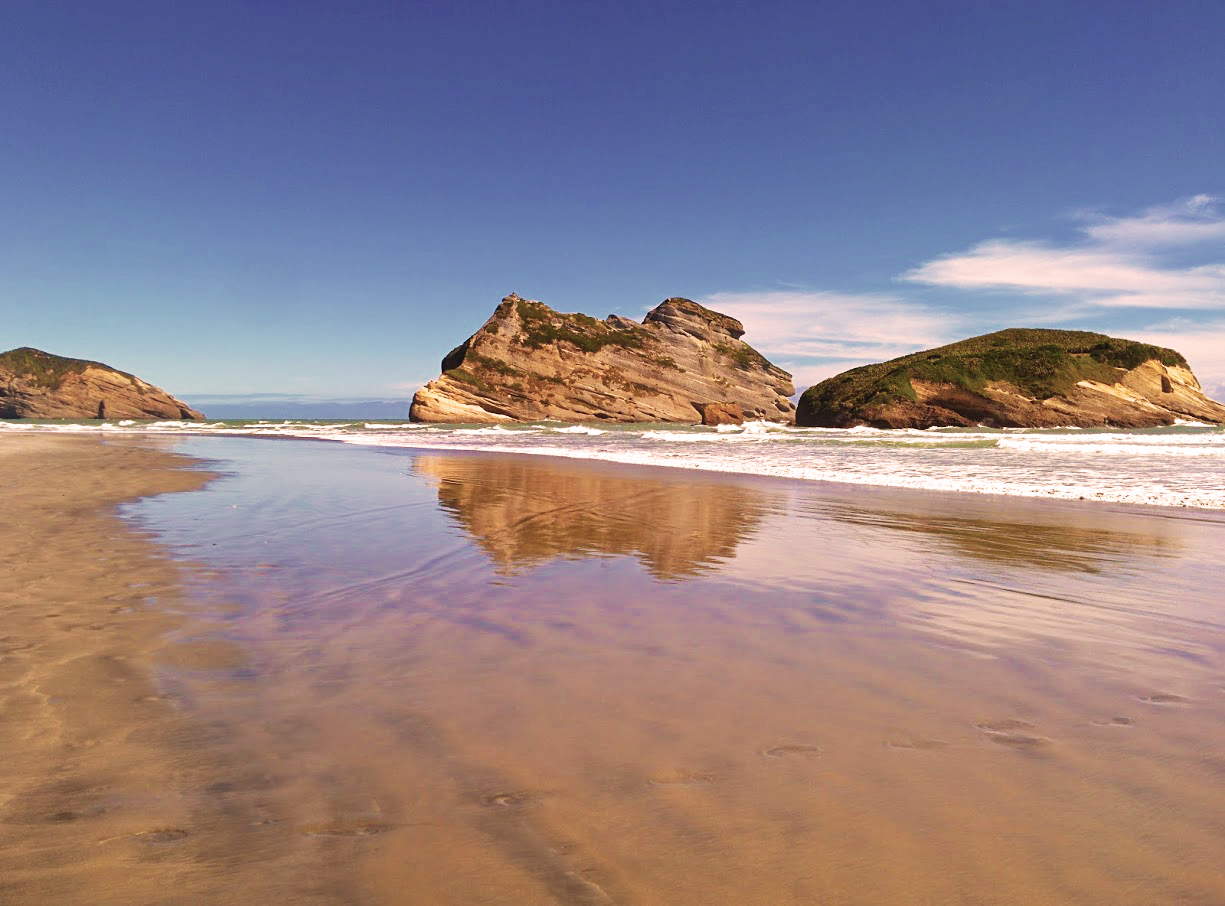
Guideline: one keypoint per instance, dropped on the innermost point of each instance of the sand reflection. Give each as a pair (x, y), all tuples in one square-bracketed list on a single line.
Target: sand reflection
[(523, 513), (1018, 533)]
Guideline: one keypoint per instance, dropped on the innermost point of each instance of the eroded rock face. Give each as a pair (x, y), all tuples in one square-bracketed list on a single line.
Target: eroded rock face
[(529, 362), (722, 414), (1017, 378), (1136, 400), (37, 384)]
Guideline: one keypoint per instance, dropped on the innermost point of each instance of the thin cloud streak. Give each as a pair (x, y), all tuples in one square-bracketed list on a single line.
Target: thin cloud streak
[(1192, 220), (1118, 265)]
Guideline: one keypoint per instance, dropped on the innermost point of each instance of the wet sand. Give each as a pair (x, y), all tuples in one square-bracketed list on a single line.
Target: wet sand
[(385, 678), (109, 790)]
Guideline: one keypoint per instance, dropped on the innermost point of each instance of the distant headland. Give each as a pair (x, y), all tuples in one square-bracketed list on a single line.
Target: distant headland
[(37, 384), (1016, 378)]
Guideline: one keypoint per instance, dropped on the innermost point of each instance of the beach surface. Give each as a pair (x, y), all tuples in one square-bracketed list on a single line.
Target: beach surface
[(347, 675)]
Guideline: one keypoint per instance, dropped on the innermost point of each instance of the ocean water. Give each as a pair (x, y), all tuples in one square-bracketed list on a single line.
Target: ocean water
[(447, 677), (403, 674), (1179, 466)]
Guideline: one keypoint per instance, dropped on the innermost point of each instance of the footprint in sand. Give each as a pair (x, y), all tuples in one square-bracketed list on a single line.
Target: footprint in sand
[(358, 829), (683, 778), (794, 749), (1163, 698), (1114, 722), (1007, 732), (160, 835), (919, 745), (1005, 726), (508, 800)]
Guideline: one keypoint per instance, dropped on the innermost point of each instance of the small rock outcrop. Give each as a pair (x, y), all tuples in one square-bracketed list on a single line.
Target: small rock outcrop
[(721, 414), (37, 384), (1016, 378), (683, 363)]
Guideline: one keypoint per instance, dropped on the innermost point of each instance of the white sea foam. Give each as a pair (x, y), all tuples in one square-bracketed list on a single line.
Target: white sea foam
[(1019, 480), (677, 437), (1178, 466), (494, 430), (762, 428), (1146, 447), (579, 429)]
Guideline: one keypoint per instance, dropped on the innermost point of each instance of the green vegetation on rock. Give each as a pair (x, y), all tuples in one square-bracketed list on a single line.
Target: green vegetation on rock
[(743, 355), (492, 364), (544, 327), (467, 377), (1039, 363), (45, 369)]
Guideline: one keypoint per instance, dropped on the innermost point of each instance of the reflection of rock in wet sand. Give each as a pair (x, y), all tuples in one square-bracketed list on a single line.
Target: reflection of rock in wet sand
[(1060, 539), (523, 513)]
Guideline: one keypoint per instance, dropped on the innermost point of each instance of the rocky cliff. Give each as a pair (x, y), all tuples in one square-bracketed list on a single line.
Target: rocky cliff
[(683, 363), (1016, 378), (37, 384)]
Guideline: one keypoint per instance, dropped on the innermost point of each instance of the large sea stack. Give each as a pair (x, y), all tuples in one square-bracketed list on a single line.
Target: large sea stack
[(37, 384), (683, 363), (1016, 378)]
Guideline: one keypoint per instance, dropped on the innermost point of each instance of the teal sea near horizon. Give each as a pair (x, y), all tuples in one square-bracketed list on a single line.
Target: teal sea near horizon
[(463, 676)]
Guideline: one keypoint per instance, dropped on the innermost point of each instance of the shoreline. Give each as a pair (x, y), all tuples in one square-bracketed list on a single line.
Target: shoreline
[(826, 486), (1174, 471), (971, 499), (776, 691), (765, 685), (104, 797), (84, 611)]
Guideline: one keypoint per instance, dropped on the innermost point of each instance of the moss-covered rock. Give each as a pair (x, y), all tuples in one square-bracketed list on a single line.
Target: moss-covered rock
[(1019, 377), (37, 384)]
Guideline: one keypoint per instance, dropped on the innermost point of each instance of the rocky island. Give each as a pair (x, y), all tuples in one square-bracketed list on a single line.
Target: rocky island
[(1016, 378), (37, 384), (682, 363)]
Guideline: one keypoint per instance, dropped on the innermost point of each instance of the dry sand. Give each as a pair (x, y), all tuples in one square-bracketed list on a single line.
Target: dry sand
[(448, 679)]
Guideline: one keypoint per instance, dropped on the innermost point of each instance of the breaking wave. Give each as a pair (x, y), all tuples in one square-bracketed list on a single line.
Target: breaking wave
[(1183, 465)]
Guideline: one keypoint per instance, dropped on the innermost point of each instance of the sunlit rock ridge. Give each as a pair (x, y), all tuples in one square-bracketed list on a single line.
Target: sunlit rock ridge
[(684, 363), (1017, 378), (37, 384)]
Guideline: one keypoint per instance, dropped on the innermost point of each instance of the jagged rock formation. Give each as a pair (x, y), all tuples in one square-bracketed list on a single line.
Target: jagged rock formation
[(1016, 378), (529, 362), (37, 384), (524, 513)]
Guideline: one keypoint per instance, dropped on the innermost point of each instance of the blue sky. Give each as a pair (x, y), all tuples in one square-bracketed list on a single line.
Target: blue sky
[(319, 200)]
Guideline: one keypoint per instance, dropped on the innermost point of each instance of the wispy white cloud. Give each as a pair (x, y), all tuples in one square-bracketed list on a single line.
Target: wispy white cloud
[(409, 387), (815, 335), (1168, 260), (1192, 220), (1120, 262)]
